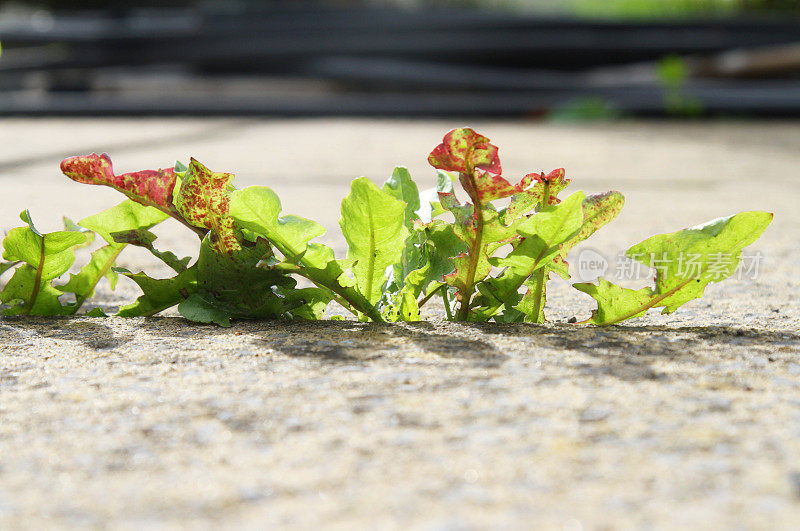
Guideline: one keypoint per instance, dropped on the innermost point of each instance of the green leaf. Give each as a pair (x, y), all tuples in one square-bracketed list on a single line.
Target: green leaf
[(100, 265), (200, 308), (598, 211), (422, 262), (444, 182), (144, 238), (442, 244), (257, 208), (544, 233), (615, 303), (234, 284), (5, 266), (533, 301), (52, 253), (307, 303), (28, 295), (685, 262), (47, 256), (158, 294), (373, 225), (96, 312), (125, 216), (71, 226), (430, 206), (426, 259), (402, 187), (403, 305), (25, 216), (333, 277)]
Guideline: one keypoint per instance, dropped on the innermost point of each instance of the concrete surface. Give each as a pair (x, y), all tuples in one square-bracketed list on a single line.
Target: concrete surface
[(690, 420)]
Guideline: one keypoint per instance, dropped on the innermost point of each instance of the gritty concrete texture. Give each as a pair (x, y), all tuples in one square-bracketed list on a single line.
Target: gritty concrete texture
[(690, 420)]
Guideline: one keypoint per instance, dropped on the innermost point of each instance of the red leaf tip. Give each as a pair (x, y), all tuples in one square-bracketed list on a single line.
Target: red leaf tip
[(463, 150), (147, 187), (89, 169)]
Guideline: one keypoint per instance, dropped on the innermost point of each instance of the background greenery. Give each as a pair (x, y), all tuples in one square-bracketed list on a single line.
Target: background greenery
[(593, 8)]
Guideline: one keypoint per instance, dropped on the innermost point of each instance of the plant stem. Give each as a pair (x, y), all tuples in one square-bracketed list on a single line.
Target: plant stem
[(428, 297), (37, 283), (343, 298), (540, 276), (545, 196), (474, 253), (539, 286), (340, 293), (446, 300)]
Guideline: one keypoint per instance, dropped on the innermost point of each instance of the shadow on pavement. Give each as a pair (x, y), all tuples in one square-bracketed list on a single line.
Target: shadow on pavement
[(627, 352), (631, 352), (91, 332)]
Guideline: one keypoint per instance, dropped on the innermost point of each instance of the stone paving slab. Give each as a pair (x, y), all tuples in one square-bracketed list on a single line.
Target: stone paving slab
[(689, 420)]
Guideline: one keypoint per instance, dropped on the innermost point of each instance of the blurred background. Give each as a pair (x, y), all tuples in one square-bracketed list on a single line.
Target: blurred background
[(569, 59)]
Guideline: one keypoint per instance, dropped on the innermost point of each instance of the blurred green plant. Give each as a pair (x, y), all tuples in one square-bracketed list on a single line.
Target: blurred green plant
[(651, 8), (585, 109), (625, 8), (673, 72)]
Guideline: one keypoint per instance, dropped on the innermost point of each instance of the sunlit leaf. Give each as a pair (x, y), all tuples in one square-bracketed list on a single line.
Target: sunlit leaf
[(203, 200), (99, 266), (125, 216), (685, 262), (402, 187), (373, 224)]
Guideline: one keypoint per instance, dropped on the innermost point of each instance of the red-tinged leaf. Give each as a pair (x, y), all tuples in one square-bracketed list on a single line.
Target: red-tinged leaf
[(147, 187), (463, 150), (89, 169), (204, 201), (554, 177), (487, 186), (530, 197)]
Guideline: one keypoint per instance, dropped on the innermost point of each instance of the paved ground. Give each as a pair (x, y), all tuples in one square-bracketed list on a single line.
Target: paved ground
[(690, 420)]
